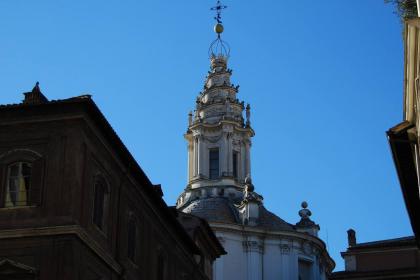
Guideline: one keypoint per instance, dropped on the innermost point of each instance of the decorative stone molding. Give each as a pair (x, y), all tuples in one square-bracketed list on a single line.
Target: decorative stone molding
[(27, 152), (9, 268), (236, 142), (213, 139), (306, 248), (50, 232), (252, 246), (284, 249)]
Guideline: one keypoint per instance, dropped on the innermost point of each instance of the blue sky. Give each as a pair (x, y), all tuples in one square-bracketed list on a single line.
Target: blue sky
[(324, 79)]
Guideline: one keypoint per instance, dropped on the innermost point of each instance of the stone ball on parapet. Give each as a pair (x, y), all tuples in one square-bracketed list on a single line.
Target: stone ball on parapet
[(305, 213)]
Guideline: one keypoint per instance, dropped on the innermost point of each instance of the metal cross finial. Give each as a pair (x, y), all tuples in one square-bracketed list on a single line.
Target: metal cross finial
[(218, 8)]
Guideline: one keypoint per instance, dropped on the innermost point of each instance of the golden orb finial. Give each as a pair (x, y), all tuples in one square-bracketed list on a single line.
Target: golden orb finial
[(218, 28)]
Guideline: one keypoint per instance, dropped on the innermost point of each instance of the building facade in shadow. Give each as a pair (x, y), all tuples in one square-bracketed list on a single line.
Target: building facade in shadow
[(74, 203)]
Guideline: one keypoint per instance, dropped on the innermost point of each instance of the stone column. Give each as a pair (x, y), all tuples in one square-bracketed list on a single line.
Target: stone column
[(248, 157), (205, 159), (254, 250), (200, 155), (285, 261), (223, 152), (293, 262), (190, 161), (195, 157), (229, 153), (315, 269), (242, 165)]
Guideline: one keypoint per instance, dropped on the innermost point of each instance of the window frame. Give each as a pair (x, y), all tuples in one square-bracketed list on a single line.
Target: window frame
[(216, 169), (309, 264), (20, 156), (132, 218), (19, 176), (103, 228)]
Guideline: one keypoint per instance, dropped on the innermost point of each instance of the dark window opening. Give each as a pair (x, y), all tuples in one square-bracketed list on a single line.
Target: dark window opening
[(18, 192), (100, 204), (235, 164), (305, 270), (222, 192), (214, 163)]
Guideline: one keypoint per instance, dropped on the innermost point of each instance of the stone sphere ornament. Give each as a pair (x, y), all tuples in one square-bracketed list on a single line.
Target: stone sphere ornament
[(305, 213), (218, 28)]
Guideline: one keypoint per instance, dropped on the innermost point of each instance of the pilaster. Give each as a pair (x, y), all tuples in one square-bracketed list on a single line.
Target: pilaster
[(228, 155), (285, 255), (200, 155), (223, 151), (254, 249), (195, 158), (247, 157)]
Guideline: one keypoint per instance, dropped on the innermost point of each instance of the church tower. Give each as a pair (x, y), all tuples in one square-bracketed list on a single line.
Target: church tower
[(218, 136), (259, 244)]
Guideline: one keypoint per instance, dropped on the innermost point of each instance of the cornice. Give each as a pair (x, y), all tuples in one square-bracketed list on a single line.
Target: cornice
[(234, 103), (230, 87), (363, 251), (224, 72), (65, 230), (220, 125), (240, 229)]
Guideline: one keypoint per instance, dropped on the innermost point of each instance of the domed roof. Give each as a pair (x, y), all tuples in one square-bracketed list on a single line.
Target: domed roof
[(223, 210), (271, 221), (213, 209)]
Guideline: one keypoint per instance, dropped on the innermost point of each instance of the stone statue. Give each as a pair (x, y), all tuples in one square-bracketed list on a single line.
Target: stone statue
[(190, 118), (248, 115)]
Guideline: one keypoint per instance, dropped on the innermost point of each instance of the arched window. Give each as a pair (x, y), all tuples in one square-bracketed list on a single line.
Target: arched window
[(100, 203), (21, 178), (18, 190)]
